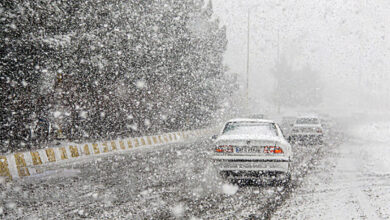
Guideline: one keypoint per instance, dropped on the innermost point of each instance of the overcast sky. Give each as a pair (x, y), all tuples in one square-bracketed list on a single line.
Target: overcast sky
[(347, 41)]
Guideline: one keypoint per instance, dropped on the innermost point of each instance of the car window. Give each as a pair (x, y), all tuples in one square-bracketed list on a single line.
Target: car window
[(281, 130), (250, 128), (307, 121)]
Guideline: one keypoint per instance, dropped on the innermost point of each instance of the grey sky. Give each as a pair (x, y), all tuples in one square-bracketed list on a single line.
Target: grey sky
[(347, 41)]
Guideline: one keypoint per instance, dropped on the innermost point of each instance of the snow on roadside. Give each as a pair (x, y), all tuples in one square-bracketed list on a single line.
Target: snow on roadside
[(375, 137), (374, 131), (351, 182), (376, 168)]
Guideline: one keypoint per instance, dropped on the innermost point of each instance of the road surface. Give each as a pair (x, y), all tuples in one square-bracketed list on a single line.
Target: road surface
[(178, 181)]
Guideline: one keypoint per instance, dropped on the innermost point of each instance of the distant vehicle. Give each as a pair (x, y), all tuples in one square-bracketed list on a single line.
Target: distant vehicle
[(253, 149), (308, 130), (327, 122), (257, 116)]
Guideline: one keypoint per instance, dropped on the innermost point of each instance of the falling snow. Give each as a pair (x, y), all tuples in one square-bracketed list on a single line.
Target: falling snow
[(143, 73)]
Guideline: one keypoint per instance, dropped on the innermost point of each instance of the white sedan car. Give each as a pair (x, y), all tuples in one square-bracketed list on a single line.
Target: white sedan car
[(253, 149), (307, 129)]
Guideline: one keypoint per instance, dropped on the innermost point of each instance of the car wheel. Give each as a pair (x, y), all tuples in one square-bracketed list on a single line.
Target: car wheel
[(287, 180), (282, 181)]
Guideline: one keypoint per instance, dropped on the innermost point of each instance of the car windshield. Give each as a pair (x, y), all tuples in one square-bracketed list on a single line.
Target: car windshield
[(250, 128), (307, 121)]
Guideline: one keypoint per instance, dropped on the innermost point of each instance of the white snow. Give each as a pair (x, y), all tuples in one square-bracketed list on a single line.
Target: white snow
[(95, 196), (229, 189), (57, 114), (140, 84), (11, 205), (378, 131), (163, 117), (178, 210), (84, 114), (351, 183), (146, 192), (81, 212), (134, 126), (2, 180)]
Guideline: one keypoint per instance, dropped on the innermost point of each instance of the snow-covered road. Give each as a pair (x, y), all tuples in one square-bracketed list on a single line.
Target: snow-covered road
[(353, 182), (166, 182)]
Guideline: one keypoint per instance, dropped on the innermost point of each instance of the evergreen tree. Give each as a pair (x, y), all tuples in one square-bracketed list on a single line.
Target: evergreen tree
[(100, 69)]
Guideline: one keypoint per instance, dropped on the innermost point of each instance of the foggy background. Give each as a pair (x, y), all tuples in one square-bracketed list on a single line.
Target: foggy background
[(346, 43)]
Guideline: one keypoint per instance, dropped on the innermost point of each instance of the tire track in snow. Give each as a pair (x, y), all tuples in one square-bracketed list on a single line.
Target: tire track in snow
[(349, 168), (338, 189), (300, 171)]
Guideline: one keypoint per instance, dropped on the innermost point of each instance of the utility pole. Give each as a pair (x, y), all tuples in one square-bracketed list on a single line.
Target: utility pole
[(248, 59), (278, 61), (247, 62)]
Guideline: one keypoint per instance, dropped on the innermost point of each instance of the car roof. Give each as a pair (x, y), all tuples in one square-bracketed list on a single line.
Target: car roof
[(250, 120), (308, 116)]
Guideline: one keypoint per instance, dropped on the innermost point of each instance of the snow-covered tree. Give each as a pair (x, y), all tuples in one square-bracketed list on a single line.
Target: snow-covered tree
[(98, 69)]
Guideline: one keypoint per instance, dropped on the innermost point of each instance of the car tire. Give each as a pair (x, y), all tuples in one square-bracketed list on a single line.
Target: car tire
[(287, 180), (320, 141)]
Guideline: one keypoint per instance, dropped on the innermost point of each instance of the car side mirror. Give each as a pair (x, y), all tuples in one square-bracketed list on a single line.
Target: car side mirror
[(214, 137)]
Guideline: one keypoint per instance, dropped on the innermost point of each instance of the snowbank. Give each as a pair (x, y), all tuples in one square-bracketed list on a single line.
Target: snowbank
[(372, 131), (373, 139)]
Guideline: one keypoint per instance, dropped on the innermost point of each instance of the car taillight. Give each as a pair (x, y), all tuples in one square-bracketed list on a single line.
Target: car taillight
[(273, 150), (224, 149)]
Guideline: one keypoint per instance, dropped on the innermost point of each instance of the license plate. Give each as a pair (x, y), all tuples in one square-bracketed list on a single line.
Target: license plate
[(248, 149)]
